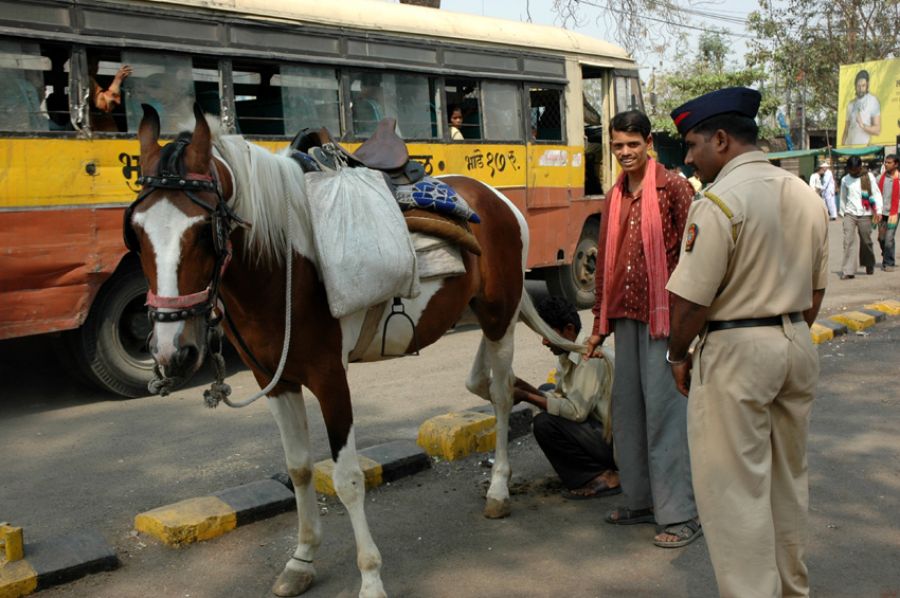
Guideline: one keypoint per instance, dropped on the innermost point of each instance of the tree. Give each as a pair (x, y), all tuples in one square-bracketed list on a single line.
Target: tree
[(802, 44)]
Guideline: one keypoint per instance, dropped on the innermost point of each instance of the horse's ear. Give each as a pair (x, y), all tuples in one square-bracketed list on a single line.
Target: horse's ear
[(148, 132), (199, 153)]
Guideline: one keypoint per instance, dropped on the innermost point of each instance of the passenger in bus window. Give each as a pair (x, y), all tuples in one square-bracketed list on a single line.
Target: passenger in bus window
[(456, 121), (367, 107), (106, 100)]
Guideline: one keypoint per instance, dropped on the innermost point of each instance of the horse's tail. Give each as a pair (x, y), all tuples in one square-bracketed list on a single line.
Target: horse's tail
[(528, 314)]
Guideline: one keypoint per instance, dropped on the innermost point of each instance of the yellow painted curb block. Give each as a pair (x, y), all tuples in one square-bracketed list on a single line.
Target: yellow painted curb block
[(821, 334), (456, 435), (188, 521), (323, 473), (854, 320), (17, 578), (890, 307)]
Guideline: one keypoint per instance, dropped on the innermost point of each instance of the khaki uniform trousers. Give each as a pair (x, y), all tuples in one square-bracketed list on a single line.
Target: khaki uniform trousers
[(748, 419)]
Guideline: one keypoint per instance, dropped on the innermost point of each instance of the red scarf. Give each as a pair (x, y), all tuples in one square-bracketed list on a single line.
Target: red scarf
[(895, 192), (654, 251)]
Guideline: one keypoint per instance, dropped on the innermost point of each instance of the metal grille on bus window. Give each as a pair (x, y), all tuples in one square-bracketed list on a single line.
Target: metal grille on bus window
[(546, 114), (311, 98), (22, 83), (463, 94), (502, 111), (408, 98), (258, 104), (163, 81)]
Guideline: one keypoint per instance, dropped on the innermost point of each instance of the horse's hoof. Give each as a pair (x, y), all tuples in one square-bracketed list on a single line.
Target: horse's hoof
[(293, 583), (497, 509)]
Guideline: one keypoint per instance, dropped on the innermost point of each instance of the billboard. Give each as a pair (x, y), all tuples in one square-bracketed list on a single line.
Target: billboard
[(869, 103)]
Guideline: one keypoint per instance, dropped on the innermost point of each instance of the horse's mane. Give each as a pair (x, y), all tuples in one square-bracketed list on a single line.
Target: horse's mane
[(268, 190)]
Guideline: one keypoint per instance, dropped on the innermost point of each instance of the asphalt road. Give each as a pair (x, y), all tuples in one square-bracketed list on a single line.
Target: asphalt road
[(436, 544)]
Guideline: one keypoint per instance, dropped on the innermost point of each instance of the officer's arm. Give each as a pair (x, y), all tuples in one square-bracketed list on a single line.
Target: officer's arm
[(810, 314), (687, 321)]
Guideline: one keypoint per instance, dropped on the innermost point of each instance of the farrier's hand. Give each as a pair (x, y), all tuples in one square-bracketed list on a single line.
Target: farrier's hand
[(592, 348), (682, 374)]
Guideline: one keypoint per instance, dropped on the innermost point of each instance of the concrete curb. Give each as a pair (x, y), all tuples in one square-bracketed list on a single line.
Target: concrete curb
[(456, 435), (826, 329), (47, 564)]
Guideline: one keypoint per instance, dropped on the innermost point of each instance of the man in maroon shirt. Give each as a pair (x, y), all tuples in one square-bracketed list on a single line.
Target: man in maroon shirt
[(640, 240)]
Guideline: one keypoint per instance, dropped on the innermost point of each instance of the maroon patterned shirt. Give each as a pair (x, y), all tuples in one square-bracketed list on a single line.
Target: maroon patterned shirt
[(630, 286)]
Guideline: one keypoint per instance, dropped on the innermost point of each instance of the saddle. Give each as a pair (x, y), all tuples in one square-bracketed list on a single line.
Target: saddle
[(316, 150), (384, 151)]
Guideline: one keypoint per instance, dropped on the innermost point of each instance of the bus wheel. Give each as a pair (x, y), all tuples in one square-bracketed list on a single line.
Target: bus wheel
[(110, 348), (575, 282)]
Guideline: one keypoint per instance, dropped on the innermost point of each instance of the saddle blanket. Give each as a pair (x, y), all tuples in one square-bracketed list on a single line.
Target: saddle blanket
[(436, 257), (432, 194)]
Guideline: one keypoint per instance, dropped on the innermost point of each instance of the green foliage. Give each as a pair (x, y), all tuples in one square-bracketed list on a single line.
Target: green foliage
[(802, 44)]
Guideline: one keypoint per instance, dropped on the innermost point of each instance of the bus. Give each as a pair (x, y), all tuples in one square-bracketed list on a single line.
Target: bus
[(535, 102)]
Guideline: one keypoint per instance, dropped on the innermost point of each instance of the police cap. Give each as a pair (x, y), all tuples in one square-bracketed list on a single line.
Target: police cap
[(740, 100)]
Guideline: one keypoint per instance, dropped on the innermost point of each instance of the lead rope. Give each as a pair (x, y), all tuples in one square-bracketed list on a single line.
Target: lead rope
[(219, 391)]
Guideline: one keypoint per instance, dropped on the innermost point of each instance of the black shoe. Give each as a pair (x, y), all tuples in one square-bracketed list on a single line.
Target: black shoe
[(870, 270), (847, 276)]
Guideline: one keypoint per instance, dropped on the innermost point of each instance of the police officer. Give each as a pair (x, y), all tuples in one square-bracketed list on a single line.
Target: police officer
[(749, 282)]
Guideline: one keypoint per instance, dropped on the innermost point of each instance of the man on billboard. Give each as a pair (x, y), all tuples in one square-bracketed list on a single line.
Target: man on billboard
[(863, 114)]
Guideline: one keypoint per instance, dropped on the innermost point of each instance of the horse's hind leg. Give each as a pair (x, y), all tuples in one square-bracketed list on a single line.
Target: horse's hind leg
[(498, 357), (290, 415)]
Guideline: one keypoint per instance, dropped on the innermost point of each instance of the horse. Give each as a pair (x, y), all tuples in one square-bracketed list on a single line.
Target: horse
[(218, 223)]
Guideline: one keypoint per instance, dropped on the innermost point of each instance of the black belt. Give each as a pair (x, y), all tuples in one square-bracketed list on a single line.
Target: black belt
[(751, 322)]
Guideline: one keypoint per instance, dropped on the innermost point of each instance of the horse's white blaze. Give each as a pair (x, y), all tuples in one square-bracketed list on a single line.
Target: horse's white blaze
[(399, 332), (350, 485), (164, 224), (289, 412)]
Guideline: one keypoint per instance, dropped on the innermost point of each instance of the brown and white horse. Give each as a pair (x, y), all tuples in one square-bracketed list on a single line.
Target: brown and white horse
[(181, 229)]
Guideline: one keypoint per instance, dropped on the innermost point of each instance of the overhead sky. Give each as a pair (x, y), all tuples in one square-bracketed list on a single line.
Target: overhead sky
[(723, 15)]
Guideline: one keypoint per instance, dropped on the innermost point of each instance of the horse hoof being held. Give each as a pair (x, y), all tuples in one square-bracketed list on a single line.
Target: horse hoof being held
[(218, 225)]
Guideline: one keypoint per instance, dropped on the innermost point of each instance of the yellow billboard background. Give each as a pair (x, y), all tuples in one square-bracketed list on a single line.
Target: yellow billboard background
[(884, 85)]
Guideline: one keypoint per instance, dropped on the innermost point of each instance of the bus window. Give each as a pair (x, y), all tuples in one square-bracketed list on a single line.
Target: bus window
[(593, 136), (311, 98), (164, 81), (546, 114), (22, 82), (464, 93), (257, 101), (408, 98), (628, 93), (502, 111), (205, 74)]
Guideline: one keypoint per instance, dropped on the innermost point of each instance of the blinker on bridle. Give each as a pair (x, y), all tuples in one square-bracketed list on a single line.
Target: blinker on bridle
[(171, 175)]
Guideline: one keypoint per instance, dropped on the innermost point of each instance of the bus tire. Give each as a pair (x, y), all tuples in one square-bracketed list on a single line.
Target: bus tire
[(110, 348), (575, 281)]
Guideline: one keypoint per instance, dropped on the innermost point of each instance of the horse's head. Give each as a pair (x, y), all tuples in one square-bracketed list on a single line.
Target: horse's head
[(180, 226)]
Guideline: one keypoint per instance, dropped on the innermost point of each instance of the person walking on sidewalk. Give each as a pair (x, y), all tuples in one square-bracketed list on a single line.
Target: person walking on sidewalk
[(638, 249), (889, 185), (860, 207), (749, 282)]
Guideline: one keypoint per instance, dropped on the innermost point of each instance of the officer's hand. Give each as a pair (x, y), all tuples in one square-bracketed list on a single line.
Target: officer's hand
[(593, 346), (682, 374)]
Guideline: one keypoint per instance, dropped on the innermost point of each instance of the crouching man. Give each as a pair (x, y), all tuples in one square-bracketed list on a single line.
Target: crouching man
[(573, 428)]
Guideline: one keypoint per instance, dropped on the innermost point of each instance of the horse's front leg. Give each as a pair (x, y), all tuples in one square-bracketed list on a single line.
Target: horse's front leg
[(290, 415), (349, 482), (499, 358)]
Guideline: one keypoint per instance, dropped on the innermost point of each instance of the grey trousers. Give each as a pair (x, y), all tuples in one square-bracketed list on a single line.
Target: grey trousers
[(857, 242), (649, 418)]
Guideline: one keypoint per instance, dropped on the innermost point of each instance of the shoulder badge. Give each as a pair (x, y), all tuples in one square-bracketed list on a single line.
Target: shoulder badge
[(691, 237)]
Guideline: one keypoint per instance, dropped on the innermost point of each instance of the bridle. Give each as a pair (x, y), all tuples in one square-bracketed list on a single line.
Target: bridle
[(171, 175)]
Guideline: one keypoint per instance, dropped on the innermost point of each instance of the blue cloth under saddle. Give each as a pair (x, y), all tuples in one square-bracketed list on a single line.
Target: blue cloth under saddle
[(432, 194)]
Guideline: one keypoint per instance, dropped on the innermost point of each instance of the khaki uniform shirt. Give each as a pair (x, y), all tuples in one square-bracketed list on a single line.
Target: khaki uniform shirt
[(583, 388), (763, 252)]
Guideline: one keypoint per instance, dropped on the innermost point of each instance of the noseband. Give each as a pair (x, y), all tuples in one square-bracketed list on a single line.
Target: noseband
[(171, 175)]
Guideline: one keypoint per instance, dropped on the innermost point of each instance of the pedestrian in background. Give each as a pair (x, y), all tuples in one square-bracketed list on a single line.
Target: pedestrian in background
[(860, 207), (889, 186), (638, 249), (749, 282)]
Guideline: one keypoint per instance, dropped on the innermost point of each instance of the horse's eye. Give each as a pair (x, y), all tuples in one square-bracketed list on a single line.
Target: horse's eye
[(204, 235)]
